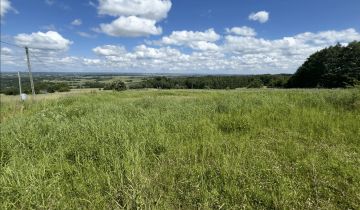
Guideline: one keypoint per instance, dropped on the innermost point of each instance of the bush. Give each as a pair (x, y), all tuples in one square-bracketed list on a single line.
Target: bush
[(11, 91), (256, 83), (50, 87), (64, 89), (116, 85)]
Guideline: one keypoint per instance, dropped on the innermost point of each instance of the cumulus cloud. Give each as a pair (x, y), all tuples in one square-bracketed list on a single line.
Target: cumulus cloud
[(139, 52), (5, 7), (76, 22), (195, 39), (231, 53), (184, 37), (204, 46), (286, 53), (298, 44), (134, 18), (241, 31), (149, 9), (328, 37), (131, 26), (261, 16), (6, 51), (109, 50), (237, 53), (143, 51), (88, 61), (50, 40)]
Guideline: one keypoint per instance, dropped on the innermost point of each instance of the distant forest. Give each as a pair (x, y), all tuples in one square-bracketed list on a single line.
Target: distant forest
[(215, 82)]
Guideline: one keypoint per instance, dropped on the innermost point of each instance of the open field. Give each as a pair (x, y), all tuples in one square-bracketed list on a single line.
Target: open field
[(182, 149), (74, 80)]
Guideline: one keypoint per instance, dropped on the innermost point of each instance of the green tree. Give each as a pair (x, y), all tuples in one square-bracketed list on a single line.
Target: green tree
[(256, 83), (336, 66), (116, 85)]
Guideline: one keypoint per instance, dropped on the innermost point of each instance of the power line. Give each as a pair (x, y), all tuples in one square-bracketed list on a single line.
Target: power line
[(14, 45), (19, 46), (33, 55), (40, 60), (28, 64)]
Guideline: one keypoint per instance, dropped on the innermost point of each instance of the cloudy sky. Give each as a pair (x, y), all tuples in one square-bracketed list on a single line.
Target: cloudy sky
[(173, 36)]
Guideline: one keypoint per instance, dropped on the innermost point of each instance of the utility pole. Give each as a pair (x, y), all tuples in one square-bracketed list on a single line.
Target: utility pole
[(19, 85), (29, 68)]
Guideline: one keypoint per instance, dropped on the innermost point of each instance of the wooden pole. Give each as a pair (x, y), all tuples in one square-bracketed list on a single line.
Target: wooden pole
[(20, 91), (29, 68)]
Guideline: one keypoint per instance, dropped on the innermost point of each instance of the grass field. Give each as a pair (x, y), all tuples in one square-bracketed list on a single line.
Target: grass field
[(180, 149)]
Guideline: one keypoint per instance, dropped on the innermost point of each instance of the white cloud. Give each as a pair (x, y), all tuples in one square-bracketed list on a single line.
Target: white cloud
[(6, 51), (193, 39), (50, 40), (131, 26), (76, 22), (231, 53), (143, 51), (328, 37), (87, 35), (236, 54), (184, 37), (135, 18), (5, 7), (68, 60), (261, 16), (204, 46), (109, 50), (241, 31), (286, 53), (149, 9), (88, 61)]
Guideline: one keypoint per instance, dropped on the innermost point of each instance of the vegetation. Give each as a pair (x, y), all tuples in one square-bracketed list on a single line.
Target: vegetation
[(116, 85), (251, 149), (215, 82), (41, 87), (333, 67), (44, 81)]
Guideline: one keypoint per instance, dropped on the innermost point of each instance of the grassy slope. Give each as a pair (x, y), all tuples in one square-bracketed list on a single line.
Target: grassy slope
[(183, 149)]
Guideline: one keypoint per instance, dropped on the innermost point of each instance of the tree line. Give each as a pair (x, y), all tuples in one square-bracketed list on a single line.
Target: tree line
[(10, 86), (214, 82)]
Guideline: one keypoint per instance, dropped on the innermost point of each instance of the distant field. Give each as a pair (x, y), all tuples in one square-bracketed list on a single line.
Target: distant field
[(182, 149), (74, 80)]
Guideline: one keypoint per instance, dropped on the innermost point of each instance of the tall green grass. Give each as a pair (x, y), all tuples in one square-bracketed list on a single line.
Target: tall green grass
[(251, 149)]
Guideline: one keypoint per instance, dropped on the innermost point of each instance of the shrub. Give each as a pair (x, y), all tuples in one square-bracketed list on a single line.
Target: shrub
[(11, 91), (64, 89), (256, 83), (116, 85)]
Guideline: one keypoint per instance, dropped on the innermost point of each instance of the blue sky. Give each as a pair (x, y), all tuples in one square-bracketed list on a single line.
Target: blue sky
[(175, 36)]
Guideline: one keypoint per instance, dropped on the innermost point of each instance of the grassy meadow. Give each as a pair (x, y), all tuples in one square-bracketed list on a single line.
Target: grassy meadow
[(182, 149)]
